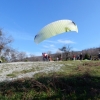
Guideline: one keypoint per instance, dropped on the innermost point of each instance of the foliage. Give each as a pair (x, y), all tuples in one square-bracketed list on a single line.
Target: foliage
[(86, 56), (65, 52), (3, 59)]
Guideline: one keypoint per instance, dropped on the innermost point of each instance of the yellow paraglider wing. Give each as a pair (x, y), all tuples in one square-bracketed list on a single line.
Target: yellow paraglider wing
[(55, 28)]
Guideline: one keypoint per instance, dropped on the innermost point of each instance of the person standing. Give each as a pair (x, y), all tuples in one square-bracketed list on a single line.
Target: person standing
[(99, 56), (74, 57), (81, 56)]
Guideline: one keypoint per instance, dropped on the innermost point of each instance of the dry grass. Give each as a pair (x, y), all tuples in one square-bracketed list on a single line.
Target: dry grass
[(74, 80)]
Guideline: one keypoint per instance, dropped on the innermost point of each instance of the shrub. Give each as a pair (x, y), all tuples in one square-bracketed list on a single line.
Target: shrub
[(86, 56)]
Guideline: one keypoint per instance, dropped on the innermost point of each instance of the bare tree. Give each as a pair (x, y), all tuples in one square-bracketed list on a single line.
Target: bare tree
[(21, 56), (4, 41), (65, 51), (13, 55)]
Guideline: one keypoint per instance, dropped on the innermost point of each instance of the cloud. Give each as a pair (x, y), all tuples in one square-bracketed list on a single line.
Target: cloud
[(51, 41), (38, 53), (53, 45), (65, 41), (50, 47), (29, 54), (61, 41), (45, 46), (75, 49), (58, 51)]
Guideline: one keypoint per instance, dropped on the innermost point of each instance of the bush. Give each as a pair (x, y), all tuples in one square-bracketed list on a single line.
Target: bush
[(86, 56), (3, 59)]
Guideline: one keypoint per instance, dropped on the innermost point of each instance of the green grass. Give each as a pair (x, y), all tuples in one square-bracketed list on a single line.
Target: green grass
[(15, 73), (12, 75), (75, 81)]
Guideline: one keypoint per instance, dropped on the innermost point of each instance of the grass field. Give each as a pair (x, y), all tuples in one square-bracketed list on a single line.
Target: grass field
[(64, 80)]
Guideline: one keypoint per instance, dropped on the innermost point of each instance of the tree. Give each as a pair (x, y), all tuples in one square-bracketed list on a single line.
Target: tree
[(21, 56), (13, 55), (65, 51), (86, 56), (4, 41)]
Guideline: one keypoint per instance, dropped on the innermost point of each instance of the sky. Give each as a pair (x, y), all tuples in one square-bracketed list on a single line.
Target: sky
[(23, 19)]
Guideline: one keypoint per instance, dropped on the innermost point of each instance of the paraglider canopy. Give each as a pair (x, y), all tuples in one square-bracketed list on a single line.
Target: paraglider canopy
[(55, 28)]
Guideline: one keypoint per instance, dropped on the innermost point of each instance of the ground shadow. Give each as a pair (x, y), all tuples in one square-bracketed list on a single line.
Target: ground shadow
[(55, 87)]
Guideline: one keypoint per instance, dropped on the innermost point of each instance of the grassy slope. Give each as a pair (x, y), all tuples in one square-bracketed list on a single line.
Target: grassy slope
[(76, 80)]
